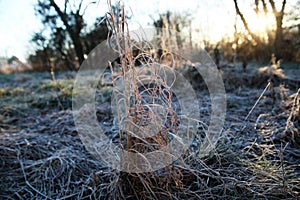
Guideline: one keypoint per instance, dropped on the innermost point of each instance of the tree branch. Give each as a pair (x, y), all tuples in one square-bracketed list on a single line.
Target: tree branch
[(283, 7), (264, 7), (256, 6), (273, 7), (65, 8), (60, 13), (79, 7), (245, 22)]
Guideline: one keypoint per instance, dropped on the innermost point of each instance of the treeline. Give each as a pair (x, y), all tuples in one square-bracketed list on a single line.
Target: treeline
[(281, 39), (243, 49), (65, 41), (69, 42)]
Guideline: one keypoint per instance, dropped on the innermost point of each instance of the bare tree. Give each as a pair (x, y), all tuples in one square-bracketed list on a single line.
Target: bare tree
[(71, 15), (278, 14), (279, 30), (73, 26)]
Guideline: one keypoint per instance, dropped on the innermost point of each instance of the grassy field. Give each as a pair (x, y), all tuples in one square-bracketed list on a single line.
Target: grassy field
[(42, 156)]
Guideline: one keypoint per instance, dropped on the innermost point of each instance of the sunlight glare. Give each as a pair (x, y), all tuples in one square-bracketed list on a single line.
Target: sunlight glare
[(261, 23)]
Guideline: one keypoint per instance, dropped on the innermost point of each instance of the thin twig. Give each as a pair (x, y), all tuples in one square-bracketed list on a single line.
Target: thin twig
[(254, 106)]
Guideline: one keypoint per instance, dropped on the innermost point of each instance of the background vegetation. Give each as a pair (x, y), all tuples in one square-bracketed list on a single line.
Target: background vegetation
[(70, 41)]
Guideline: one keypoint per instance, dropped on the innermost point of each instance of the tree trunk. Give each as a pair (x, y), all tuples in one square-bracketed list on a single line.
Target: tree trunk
[(73, 32), (278, 37), (279, 30), (78, 46)]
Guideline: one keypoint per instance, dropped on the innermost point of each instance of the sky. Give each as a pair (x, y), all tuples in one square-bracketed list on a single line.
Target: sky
[(17, 22), (211, 19)]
